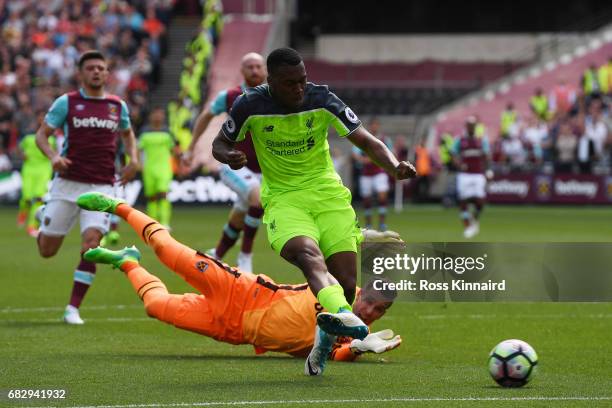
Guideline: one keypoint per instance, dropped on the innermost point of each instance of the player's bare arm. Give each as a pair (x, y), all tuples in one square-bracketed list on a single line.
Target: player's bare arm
[(201, 124), (59, 163), (380, 154), (129, 141), (224, 151)]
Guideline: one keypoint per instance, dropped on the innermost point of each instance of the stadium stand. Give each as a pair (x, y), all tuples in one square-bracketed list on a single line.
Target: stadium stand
[(241, 35), (402, 89), (572, 136)]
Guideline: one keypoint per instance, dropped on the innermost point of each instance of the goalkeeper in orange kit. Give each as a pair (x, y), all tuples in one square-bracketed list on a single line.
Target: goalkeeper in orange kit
[(233, 307)]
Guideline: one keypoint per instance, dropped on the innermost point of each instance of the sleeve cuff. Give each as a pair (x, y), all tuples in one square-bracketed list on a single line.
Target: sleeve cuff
[(227, 137), (351, 132)]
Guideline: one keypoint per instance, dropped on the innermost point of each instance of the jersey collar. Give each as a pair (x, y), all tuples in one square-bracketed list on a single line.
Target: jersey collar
[(84, 95)]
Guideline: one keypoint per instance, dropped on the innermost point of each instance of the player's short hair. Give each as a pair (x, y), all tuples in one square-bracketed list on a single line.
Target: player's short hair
[(380, 295), (282, 56), (89, 55)]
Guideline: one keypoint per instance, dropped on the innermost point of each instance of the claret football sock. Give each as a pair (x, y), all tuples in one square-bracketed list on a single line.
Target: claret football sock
[(228, 239)]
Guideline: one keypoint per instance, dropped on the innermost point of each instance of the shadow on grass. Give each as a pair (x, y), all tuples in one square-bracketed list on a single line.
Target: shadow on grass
[(204, 357), (506, 389), (229, 357)]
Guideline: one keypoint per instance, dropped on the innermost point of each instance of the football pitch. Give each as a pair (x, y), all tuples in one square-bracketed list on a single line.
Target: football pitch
[(122, 358)]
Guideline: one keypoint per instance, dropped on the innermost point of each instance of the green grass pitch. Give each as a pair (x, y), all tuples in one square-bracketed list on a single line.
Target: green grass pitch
[(121, 358)]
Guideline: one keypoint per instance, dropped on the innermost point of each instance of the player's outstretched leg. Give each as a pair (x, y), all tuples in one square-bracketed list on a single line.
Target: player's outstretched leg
[(342, 323), (157, 301), (176, 256), (339, 320), (95, 201), (316, 360), (115, 258)]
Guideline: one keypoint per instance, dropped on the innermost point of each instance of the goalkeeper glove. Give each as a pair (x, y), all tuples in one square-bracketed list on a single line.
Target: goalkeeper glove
[(378, 342), (370, 235)]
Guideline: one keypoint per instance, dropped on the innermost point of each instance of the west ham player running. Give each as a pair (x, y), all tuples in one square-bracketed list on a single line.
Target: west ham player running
[(308, 211), (373, 180), (233, 307), (91, 120), (471, 155), (246, 181)]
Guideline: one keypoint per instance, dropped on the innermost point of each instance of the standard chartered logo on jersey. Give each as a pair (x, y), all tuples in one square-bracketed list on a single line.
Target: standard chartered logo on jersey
[(289, 147)]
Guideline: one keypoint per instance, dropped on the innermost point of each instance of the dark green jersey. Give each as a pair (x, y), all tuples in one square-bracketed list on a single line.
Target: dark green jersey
[(291, 145)]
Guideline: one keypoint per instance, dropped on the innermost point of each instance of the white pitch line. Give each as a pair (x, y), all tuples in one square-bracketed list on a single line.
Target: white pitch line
[(497, 316), (336, 401), (515, 316), (58, 308)]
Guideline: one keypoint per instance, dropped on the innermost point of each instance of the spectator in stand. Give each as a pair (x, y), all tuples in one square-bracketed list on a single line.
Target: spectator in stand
[(152, 25), (595, 128), (566, 145), (5, 162), (603, 77), (41, 41), (481, 129), (562, 98), (6, 118), (535, 139), (513, 154), (539, 104), (131, 19), (586, 154), (589, 82), (25, 115), (509, 121)]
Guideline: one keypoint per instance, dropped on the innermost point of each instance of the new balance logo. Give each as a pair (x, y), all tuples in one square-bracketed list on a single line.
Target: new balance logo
[(93, 122), (269, 128), (310, 143)]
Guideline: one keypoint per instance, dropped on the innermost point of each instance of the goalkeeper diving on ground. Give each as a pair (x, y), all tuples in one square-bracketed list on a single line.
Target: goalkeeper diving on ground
[(234, 307)]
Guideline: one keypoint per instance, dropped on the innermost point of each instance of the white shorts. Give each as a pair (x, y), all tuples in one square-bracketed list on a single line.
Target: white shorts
[(61, 211), (242, 182), (471, 185), (378, 183)]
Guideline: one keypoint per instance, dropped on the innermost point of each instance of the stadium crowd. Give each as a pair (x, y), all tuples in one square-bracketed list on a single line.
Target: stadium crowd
[(41, 42), (568, 129)]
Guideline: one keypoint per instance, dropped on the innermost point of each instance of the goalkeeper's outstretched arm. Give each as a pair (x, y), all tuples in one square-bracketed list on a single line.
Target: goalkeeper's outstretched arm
[(379, 342)]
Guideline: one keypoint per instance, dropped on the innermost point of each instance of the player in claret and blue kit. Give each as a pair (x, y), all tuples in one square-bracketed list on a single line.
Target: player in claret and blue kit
[(92, 122), (472, 156)]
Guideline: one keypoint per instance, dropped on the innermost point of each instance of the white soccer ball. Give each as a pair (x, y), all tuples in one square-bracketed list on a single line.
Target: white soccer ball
[(513, 363)]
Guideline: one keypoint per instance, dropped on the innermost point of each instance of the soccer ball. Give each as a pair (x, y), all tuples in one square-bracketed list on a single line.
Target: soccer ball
[(512, 363)]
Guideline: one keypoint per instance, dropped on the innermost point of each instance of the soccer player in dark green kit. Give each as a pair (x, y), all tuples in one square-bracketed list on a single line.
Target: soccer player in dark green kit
[(157, 144), (307, 210)]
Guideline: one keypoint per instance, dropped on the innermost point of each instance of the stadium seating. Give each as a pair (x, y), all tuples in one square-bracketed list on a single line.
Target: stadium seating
[(490, 104), (402, 89), (240, 36)]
